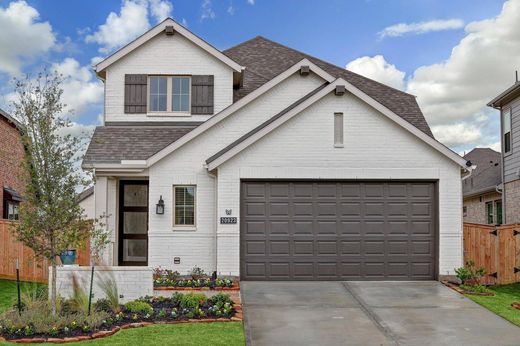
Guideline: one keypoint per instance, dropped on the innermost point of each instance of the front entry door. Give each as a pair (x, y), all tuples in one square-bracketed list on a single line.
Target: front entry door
[(133, 223)]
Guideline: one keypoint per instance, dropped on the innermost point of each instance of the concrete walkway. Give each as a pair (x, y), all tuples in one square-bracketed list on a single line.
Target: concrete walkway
[(368, 313)]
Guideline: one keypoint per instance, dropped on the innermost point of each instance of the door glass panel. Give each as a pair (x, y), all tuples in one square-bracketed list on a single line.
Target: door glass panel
[(136, 196), (134, 250), (135, 222)]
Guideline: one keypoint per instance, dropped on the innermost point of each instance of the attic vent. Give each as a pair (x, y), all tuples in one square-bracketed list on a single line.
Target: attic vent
[(340, 90), (304, 70), (169, 30)]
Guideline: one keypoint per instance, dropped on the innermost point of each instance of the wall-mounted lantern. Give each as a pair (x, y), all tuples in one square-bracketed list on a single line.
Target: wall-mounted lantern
[(159, 207)]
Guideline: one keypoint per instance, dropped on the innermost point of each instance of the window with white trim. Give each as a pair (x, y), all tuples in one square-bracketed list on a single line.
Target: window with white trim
[(184, 205), (169, 94), (506, 126), (338, 130)]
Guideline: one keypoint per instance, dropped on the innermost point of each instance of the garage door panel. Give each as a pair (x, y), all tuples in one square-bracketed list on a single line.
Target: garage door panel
[(338, 231)]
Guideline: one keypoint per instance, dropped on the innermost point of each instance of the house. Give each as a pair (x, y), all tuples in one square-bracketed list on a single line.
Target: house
[(11, 157), (508, 103), (86, 202), (266, 163), (482, 190)]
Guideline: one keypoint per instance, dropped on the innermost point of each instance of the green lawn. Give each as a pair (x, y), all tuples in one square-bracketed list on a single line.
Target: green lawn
[(500, 304), (194, 334), (8, 292)]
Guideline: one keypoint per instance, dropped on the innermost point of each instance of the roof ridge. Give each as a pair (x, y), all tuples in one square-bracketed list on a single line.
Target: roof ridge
[(322, 61)]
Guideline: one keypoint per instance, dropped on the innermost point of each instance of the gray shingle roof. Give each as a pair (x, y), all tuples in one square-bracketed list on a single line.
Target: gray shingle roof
[(111, 144), (265, 59), (488, 173)]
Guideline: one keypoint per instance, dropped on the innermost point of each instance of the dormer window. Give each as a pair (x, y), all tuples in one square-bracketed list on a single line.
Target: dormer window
[(169, 94)]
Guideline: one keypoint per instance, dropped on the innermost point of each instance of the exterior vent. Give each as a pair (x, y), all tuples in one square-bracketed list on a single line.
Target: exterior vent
[(169, 30), (340, 90), (305, 70)]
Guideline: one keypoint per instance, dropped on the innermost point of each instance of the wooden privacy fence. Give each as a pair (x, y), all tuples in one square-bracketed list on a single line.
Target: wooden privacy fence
[(496, 248), (31, 268)]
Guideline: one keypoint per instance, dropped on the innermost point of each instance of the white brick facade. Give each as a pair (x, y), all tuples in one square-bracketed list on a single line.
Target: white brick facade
[(167, 55), (303, 148), (132, 282)]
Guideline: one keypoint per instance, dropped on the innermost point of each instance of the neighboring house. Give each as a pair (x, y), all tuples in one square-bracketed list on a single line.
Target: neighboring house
[(508, 103), (11, 157), (264, 162), (482, 190), (86, 201)]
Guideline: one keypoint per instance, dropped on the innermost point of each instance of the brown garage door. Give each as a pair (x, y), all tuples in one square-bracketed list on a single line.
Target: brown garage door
[(338, 230)]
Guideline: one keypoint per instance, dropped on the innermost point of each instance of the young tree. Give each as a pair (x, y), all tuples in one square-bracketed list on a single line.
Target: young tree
[(51, 220)]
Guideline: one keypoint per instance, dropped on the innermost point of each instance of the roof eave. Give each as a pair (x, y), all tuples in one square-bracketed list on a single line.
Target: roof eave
[(509, 93), (178, 29)]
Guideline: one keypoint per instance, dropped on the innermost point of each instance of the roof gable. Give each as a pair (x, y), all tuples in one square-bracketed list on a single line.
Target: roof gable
[(487, 174), (300, 105), (265, 59), (158, 29)]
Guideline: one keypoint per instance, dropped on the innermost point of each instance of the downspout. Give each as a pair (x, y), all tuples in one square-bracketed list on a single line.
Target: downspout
[(215, 211)]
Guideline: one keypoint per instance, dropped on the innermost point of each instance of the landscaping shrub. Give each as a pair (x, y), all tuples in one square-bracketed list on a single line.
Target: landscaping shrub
[(469, 275), (475, 288), (192, 300), (220, 299), (79, 299), (104, 305), (107, 283), (176, 298), (138, 306), (197, 273)]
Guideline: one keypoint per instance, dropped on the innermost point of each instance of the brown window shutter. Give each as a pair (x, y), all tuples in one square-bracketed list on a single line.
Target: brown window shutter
[(202, 94), (135, 93)]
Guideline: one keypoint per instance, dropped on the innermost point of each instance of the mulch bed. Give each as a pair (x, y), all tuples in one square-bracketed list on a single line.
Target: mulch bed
[(516, 305), (456, 287), (104, 331)]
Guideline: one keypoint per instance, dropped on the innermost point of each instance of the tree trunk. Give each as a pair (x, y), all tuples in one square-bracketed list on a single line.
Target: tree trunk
[(53, 286)]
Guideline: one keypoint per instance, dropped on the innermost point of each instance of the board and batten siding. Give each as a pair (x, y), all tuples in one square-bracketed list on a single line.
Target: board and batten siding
[(186, 166), (166, 55), (512, 160), (374, 148)]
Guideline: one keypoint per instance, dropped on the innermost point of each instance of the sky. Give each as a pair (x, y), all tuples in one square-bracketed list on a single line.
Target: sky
[(454, 56)]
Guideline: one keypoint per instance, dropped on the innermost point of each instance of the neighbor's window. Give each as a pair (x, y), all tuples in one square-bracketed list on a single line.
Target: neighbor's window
[(489, 212), (506, 125), (184, 205), (464, 211), (338, 129), (498, 209), (181, 94), (158, 94), (11, 210)]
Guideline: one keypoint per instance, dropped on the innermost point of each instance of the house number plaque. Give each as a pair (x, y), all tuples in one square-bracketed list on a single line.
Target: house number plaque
[(228, 220)]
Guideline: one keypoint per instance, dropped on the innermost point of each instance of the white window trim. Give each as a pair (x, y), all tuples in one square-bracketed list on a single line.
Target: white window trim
[(169, 98), (510, 112), (176, 227)]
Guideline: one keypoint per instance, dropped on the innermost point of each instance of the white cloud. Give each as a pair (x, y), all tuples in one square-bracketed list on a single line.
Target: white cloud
[(207, 10), (161, 9), (231, 9), (378, 69), (454, 135), (480, 66), (184, 22), (251, 2), (131, 21), (420, 27), (80, 87), (22, 36)]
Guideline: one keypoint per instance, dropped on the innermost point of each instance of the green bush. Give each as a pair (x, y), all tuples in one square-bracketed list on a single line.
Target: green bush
[(138, 306), (220, 299), (475, 288), (469, 274), (103, 305), (192, 300), (176, 298)]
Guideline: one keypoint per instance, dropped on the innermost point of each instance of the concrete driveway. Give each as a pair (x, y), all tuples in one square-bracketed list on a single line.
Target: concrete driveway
[(368, 313)]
